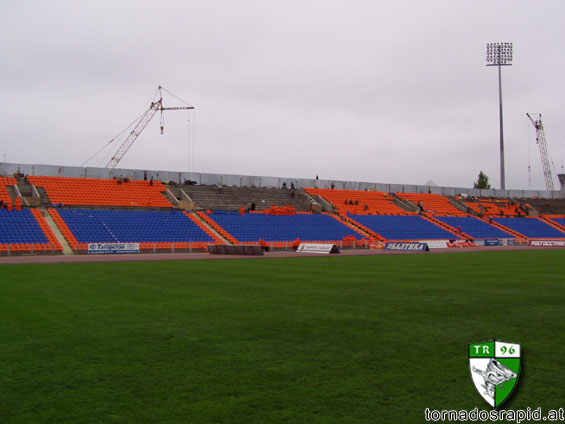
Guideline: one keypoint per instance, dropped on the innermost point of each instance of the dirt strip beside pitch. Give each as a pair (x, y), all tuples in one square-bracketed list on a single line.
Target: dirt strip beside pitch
[(49, 259)]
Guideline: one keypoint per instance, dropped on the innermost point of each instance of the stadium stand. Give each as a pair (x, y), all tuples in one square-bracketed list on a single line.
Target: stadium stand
[(4, 196), (307, 227), (359, 202), (233, 198), (559, 220), (474, 227), (546, 206), (392, 227), (147, 227), (101, 192), (431, 203), (497, 207), (26, 231), (530, 227)]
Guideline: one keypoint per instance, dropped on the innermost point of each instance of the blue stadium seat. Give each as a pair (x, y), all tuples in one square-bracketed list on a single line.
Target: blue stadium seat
[(106, 226), (474, 227), (397, 227), (530, 227), (20, 227), (560, 221), (307, 227)]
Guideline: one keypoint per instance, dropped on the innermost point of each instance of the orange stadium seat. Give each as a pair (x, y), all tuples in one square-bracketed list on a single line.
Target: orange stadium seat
[(101, 192), (432, 203), (359, 202), (4, 196)]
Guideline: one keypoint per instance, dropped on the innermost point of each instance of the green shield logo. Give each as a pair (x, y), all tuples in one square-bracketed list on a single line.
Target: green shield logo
[(495, 367)]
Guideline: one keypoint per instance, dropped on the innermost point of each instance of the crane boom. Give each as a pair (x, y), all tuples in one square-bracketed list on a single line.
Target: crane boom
[(140, 126), (540, 139)]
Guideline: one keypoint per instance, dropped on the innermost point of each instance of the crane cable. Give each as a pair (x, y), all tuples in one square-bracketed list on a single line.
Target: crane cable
[(121, 132)]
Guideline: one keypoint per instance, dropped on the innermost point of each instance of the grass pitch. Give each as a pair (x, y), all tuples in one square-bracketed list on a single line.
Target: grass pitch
[(308, 340)]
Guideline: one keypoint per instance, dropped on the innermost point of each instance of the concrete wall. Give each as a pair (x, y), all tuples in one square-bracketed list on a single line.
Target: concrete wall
[(262, 181)]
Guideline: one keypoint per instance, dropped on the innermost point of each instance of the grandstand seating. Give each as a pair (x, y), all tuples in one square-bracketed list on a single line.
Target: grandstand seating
[(253, 227), (474, 227), (4, 196), (432, 203), (24, 231), (82, 226), (558, 220), (99, 192), (392, 227), (530, 227), (359, 202)]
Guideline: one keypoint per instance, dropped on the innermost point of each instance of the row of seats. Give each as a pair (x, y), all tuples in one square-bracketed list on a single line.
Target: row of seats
[(101, 192), (252, 227), (560, 221), (137, 226), (490, 207), (392, 227), (359, 202), (474, 227), (25, 230), (530, 227)]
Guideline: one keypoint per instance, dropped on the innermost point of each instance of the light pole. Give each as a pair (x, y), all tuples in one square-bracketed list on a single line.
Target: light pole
[(500, 54)]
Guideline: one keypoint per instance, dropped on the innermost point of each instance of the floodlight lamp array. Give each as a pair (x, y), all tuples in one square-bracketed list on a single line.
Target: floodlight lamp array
[(499, 53)]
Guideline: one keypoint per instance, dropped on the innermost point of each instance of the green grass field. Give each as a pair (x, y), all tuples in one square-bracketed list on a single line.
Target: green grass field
[(309, 340)]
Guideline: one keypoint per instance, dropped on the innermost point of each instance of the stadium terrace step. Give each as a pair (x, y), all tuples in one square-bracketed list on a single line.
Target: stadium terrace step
[(233, 198), (546, 206), (207, 228), (66, 248)]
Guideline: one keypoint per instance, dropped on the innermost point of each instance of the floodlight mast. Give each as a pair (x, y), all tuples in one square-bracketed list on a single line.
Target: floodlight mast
[(140, 126), (500, 54)]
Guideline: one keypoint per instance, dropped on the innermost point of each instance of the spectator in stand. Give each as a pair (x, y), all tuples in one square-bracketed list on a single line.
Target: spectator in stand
[(284, 185), (144, 175), (151, 181)]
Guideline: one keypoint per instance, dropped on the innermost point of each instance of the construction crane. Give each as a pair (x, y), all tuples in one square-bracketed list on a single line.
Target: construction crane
[(540, 139), (155, 107)]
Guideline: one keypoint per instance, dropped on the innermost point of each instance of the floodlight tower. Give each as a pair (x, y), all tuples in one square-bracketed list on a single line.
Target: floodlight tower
[(500, 54)]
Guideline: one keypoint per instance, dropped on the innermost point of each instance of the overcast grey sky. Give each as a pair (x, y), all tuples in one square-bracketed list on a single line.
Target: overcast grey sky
[(391, 92)]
